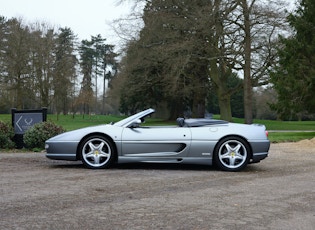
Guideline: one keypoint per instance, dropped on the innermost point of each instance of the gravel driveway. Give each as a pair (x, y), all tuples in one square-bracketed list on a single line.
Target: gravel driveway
[(277, 193)]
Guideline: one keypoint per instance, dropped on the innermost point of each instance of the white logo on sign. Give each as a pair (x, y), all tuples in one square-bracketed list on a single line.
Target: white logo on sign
[(18, 125), (28, 122)]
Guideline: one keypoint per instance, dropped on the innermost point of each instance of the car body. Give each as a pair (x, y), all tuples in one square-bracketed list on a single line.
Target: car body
[(229, 146)]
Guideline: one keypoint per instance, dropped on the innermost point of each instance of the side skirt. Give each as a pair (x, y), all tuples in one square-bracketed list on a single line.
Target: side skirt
[(185, 160)]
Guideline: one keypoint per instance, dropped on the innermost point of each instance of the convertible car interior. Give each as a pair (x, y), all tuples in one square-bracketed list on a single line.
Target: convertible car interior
[(182, 122)]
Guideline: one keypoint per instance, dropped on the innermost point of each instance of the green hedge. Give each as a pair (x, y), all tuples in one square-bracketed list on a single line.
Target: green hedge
[(35, 137), (6, 136)]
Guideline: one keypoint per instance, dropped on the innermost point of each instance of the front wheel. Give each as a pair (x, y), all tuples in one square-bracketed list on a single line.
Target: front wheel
[(232, 154), (97, 152)]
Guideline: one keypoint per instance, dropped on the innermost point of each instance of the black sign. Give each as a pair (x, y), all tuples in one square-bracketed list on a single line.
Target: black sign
[(22, 120)]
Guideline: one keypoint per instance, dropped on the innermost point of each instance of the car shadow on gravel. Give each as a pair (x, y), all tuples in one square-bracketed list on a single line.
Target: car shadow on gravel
[(161, 166), (153, 166), (68, 165), (137, 166)]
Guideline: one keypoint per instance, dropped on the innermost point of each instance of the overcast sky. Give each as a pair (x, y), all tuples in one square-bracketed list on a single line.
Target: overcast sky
[(84, 17)]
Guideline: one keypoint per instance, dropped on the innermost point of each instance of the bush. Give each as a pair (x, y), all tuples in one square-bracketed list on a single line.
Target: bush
[(35, 137), (6, 135)]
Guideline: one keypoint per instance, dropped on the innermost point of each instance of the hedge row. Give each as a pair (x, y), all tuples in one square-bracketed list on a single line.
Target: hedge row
[(34, 138)]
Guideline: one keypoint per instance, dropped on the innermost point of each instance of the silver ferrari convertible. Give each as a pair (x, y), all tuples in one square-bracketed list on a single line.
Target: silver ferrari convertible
[(228, 146)]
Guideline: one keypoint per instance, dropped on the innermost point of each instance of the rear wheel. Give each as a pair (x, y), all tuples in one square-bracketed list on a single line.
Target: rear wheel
[(97, 152), (232, 154)]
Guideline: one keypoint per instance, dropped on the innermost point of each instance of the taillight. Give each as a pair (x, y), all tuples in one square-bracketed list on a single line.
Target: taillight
[(267, 133)]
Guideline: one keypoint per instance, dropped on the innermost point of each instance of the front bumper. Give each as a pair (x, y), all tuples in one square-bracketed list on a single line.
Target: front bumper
[(61, 150)]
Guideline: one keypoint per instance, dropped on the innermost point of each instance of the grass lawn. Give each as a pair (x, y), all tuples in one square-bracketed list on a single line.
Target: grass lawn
[(282, 131), (277, 137)]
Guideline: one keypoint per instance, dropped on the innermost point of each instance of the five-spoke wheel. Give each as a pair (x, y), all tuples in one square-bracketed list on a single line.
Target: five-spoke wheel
[(232, 154), (97, 152)]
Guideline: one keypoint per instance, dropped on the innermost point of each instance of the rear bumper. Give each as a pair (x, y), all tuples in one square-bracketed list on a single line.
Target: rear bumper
[(260, 150)]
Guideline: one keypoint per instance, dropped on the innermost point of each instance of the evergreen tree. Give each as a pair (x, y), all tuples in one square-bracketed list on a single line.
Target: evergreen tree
[(187, 46), (109, 67), (64, 69), (86, 62), (294, 77), (97, 60), (170, 61)]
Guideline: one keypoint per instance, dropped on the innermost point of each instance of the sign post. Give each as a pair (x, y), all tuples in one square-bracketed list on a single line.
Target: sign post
[(22, 120)]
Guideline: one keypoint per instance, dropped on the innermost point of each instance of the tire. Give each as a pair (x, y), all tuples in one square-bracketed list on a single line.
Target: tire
[(232, 154), (97, 152)]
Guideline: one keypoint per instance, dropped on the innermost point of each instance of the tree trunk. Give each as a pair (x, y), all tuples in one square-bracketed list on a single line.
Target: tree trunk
[(176, 110), (248, 97), (225, 105), (199, 94), (224, 97), (19, 93), (199, 107)]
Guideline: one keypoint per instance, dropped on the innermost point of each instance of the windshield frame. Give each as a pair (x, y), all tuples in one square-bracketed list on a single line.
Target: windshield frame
[(129, 120)]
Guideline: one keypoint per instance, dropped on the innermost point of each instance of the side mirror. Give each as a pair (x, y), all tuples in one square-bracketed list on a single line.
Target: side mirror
[(135, 124)]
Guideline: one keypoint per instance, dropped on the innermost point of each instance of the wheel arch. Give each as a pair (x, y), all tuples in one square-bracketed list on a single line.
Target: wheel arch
[(235, 135), (96, 134), (226, 166)]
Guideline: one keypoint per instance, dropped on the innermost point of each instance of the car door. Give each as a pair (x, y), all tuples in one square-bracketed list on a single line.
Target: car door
[(156, 141)]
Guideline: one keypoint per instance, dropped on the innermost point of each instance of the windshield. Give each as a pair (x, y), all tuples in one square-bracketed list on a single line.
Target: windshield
[(127, 121)]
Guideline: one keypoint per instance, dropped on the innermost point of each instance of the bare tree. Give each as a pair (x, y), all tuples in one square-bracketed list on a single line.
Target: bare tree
[(260, 23), (42, 62), (16, 66)]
